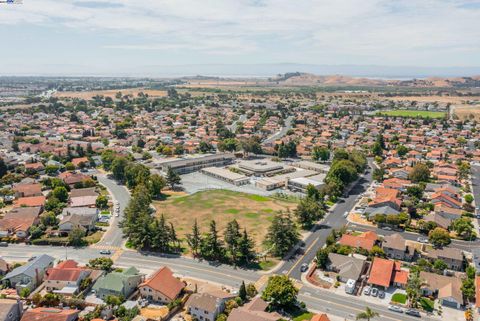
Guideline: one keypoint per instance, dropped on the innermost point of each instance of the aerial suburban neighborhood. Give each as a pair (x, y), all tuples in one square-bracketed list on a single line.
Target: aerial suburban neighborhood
[(249, 160)]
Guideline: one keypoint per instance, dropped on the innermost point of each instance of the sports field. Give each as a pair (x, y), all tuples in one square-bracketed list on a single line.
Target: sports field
[(253, 212), (413, 113)]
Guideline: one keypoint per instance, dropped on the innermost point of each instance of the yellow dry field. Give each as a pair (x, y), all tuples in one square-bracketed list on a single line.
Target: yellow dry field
[(439, 99), (466, 112), (154, 313), (252, 212), (110, 93)]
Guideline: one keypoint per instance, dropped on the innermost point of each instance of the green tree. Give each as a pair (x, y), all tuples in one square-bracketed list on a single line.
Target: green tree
[(211, 247), (322, 257), (439, 237), (414, 288), (280, 292), (320, 153), (101, 263), (101, 202), (60, 193), (24, 293), (246, 249), (75, 237), (378, 174), (368, 314), (439, 266), (463, 226), (173, 178), (118, 167), (282, 234), (242, 292), (3, 168), (232, 237), (402, 150), (251, 290), (194, 239), (229, 145), (419, 173), (155, 184), (308, 212)]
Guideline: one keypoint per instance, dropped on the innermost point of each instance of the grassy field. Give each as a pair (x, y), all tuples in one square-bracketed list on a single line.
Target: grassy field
[(253, 212), (399, 298), (413, 113)]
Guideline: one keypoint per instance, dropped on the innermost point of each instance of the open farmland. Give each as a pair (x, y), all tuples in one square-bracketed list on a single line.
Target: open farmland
[(110, 93), (253, 212), (413, 113), (467, 112)]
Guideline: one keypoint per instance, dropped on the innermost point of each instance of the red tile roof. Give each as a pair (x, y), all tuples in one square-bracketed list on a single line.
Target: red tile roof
[(164, 282), (320, 317), (381, 272), (30, 201), (357, 241)]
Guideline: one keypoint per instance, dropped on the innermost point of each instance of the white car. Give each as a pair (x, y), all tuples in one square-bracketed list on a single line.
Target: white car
[(395, 308), (345, 214)]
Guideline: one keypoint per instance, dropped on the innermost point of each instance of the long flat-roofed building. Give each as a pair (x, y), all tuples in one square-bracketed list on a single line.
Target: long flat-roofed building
[(188, 165), (226, 175), (263, 167)]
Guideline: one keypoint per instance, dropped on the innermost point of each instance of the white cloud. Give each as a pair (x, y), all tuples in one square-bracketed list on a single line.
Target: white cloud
[(399, 32)]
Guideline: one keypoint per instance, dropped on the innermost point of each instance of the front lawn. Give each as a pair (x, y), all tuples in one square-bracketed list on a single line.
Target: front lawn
[(399, 298), (427, 304), (305, 316)]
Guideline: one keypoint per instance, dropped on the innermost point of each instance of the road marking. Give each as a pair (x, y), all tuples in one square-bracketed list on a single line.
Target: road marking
[(183, 266), (301, 258), (349, 306)]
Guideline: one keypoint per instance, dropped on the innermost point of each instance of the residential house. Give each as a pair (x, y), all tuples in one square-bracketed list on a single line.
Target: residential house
[(451, 256), (10, 310), (384, 273), (447, 289), (28, 190), (18, 221), (347, 267), (50, 314), (161, 287), (118, 283), (65, 278), (73, 221), (207, 306), (29, 275), (80, 162), (395, 247), (255, 310), (31, 201), (364, 241), (386, 197), (83, 201), (320, 317)]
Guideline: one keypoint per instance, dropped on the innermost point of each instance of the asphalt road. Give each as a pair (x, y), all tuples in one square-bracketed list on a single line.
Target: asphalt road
[(114, 236), (333, 220), (282, 132)]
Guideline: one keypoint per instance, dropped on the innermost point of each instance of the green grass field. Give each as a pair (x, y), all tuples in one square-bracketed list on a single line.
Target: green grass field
[(413, 113), (253, 212)]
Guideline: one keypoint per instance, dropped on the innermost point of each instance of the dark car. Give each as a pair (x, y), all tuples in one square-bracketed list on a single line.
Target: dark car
[(4, 244), (413, 313)]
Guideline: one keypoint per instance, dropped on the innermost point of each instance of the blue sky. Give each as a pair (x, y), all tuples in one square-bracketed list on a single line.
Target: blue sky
[(113, 36)]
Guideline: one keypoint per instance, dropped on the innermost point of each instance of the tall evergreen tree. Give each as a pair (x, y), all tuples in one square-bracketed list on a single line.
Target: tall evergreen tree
[(173, 178), (246, 249), (211, 247), (137, 223), (282, 234), (242, 292), (232, 237), (194, 239)]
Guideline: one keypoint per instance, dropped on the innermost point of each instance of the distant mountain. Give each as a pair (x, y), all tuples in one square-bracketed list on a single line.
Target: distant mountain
[(306, 79)]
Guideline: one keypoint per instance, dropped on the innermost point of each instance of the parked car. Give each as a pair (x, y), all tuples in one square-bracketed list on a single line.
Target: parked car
[(413, 313), (105, 252), (381, 294), (386, 228), (304, 267), (422, 239), (374, 292), (345, 214), (367, 290), (3, 244), (395, 308)]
